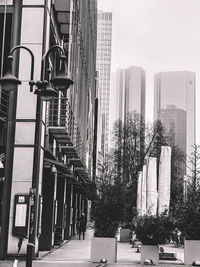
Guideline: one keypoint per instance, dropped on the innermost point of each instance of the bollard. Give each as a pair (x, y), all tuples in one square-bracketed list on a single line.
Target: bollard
[(29, 254), (103, 260), (103, 263), (19, 247)]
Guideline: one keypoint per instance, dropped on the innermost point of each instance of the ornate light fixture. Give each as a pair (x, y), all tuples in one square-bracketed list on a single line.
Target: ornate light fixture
[(60, 82)]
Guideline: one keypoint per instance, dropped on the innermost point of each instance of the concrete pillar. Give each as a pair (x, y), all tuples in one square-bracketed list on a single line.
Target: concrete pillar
[(152, 193), (164, 179)]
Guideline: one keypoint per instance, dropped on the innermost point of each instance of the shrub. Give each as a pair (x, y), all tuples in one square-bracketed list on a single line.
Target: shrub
[(107, 212), (154, 230), (188, 216)]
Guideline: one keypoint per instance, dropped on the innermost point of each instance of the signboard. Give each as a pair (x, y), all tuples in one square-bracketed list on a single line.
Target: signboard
[(21, 215)]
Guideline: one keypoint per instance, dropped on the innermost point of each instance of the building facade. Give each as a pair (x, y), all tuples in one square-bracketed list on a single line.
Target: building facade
[(49, 146), (174, 105), (103, 66)]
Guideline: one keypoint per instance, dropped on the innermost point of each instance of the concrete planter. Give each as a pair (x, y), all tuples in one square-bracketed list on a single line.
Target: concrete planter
[(104, 247), (191, 251), (124, 235), (150, 252)]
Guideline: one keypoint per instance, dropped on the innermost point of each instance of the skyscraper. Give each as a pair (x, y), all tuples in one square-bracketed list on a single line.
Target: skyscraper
[(130, 91), (174, 104), (103, 66)]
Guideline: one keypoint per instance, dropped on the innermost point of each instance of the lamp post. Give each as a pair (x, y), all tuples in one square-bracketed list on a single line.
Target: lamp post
[(45, 90), (185, 180)]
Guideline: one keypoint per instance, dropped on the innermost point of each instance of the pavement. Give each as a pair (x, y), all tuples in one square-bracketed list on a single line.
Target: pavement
[(76, 253)]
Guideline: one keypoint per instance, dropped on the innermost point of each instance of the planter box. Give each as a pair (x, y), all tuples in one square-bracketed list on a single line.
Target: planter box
[(150, 252), (104, 247), (124, 235), (191, 251)]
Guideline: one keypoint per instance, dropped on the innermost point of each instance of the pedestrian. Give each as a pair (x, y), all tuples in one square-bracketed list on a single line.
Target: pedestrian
[(82, 225)]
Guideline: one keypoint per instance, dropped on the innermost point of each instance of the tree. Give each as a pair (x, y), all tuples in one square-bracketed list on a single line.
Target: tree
[(107, 207), (177, 175), (187, 209), (133, 143), (194, 170)]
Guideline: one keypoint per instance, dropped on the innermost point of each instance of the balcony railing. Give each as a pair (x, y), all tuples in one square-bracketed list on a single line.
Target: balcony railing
[(59, 115)]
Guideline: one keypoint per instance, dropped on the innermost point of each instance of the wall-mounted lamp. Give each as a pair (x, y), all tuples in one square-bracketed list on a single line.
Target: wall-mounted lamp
[(60, 82), (1, 165), (53, 169)]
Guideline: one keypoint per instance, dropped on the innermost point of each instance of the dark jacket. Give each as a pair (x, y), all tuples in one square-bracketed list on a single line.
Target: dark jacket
[(82, 223)]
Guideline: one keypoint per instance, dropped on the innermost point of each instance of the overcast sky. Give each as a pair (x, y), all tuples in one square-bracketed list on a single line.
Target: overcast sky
[(157, 35)]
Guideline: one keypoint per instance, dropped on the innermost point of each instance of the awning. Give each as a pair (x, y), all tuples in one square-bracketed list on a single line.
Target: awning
[(70, 151), (65, 172), (77, 163), (62, 9), (61, 135), (83, 172), (60, 166)]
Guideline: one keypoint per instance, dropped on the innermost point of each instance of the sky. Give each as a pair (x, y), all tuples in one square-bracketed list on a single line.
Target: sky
[(157, 35)]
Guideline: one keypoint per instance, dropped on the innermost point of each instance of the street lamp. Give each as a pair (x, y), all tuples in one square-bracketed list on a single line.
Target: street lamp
[(185, 180), (44, 91)]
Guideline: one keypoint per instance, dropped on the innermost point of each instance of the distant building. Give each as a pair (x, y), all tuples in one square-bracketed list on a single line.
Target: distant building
[(175, 121), (174, 105), (103, 66), (130, 91)]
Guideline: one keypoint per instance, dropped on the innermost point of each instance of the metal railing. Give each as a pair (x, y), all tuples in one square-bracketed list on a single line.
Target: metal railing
[(60, 114)]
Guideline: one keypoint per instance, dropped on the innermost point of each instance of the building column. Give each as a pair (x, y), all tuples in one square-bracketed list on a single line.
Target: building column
[(67, 231), (59, 233), (29, 126), (10, 139), (49, 188)]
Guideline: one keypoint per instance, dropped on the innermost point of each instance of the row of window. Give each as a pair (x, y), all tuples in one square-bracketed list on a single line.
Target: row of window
[(104, 16)]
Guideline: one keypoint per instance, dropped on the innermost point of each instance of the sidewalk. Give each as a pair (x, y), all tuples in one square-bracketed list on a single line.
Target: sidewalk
[(76, 253)]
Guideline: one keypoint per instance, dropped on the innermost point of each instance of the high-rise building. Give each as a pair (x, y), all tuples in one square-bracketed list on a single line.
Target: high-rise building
[(127, 95), (174, 105), (130, 91), (174, 120), (103, 66)]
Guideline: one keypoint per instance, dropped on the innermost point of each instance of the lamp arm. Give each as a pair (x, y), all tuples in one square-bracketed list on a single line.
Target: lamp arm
[(31, 83), (45, 57)]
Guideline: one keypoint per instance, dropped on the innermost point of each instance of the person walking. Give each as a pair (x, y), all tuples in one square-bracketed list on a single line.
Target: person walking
[(82, 225)]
